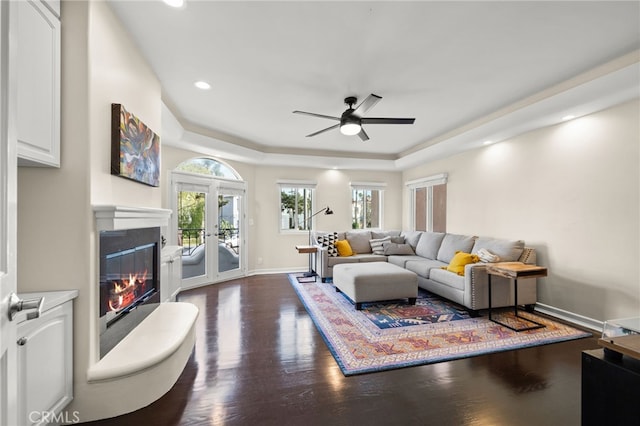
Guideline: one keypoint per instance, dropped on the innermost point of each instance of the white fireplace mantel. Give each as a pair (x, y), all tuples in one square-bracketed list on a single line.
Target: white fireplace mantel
[(112, 218)]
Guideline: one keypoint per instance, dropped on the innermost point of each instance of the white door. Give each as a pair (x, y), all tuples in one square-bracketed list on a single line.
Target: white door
[(193, 198), (231, 230), (8, 217), (208, 223)]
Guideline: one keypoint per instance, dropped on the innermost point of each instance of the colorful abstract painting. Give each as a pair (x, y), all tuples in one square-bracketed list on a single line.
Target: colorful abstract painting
[(135, 148)]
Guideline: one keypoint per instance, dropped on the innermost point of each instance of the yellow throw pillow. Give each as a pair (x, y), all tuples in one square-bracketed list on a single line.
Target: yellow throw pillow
[(459, 261), (344, 248)]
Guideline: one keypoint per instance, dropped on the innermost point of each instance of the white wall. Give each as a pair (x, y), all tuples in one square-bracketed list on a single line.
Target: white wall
[(273, 250), (269, 250), (57, 239), (572, 192)]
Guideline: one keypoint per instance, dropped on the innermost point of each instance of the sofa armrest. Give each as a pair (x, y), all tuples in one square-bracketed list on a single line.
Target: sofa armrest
[(476, 289), (321, 261)]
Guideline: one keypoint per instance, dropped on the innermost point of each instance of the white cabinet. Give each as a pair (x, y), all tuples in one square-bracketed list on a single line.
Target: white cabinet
[(170, 273), (45, 359), (38, 82)]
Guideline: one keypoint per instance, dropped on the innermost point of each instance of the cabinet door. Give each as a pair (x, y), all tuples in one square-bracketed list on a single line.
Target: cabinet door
[(165, 278), (38, 85), (176, 275), (45, 377)]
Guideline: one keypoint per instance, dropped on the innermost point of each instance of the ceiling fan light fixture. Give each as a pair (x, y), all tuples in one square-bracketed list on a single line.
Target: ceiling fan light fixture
[(349, 125), (350, 129)]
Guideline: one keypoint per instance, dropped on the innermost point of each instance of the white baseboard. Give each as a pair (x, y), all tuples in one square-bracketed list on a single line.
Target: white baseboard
[(571, 317), (276, 271)]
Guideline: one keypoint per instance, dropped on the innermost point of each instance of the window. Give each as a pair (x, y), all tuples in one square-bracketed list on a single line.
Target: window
[(296, 205), (209, 167), (366, 205), (429, 203)]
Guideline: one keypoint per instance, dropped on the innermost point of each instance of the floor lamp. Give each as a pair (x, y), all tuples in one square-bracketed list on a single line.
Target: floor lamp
[(326, 210)]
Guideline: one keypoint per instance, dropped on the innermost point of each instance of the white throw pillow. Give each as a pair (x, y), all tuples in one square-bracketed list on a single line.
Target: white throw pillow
[(376, 244), (487, 257)]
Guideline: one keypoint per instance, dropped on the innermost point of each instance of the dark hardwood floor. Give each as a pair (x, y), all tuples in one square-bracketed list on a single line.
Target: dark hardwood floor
[(259, 360)]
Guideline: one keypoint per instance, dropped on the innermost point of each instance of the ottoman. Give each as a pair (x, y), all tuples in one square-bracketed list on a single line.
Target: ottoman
[(375, 281)]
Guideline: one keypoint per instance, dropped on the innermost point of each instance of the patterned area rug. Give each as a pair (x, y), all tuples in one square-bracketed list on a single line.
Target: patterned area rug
[(385, 336)]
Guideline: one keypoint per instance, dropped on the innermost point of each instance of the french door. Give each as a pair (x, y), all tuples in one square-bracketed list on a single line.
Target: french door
[(208, 222), (230, 227)]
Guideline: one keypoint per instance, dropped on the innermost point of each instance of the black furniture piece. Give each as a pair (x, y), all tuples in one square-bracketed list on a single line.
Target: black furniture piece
[(610, 389)]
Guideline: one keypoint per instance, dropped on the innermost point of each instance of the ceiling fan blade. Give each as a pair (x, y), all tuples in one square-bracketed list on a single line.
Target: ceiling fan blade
[(372, 120), (324, 130), (313, 114), (363, 135), (366, 105)]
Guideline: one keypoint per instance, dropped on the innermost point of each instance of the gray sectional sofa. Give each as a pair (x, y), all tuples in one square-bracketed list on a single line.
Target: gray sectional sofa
[(426, 253)]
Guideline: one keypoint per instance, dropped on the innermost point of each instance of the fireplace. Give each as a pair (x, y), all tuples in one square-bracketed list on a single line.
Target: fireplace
[(129, 281)]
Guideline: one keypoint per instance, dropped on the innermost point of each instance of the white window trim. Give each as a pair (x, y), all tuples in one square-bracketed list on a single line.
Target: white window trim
[(434, 180), (374, 186), (427, 182), (368, 185), (299, 183), (308, 184)]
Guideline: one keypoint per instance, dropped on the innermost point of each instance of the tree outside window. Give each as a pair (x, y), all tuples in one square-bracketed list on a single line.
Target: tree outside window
[(295, 207), (366, 208)]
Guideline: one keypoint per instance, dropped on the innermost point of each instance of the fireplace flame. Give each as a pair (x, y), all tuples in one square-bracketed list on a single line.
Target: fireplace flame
[(125, 290)]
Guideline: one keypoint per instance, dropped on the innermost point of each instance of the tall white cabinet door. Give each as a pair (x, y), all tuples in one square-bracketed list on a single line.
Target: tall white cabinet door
[(38, 80), (8, 218)]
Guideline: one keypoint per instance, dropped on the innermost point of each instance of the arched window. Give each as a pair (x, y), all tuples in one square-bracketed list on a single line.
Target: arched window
[(208, 167)]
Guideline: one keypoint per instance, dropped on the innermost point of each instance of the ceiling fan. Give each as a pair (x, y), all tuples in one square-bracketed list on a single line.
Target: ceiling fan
[(352, 119)]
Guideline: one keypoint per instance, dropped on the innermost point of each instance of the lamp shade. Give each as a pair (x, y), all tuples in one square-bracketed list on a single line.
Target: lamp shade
[(350, 129), (349, 125)]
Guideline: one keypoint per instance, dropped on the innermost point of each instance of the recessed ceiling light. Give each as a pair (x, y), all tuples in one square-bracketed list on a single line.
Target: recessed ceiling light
[(568, 117), (487, 142), (174, 3), (202, 85)]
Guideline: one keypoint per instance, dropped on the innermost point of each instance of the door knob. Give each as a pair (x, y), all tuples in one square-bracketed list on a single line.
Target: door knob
[(16, 305)]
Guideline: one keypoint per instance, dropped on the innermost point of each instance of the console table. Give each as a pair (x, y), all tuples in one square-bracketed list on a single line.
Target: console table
[(514, 270)]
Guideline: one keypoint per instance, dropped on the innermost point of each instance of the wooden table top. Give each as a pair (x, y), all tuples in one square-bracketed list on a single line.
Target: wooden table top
[(306, 249), (516, 270)]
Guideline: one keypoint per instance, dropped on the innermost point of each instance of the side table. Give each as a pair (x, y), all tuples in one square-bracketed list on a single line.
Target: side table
[(514, 270), (303, 249)]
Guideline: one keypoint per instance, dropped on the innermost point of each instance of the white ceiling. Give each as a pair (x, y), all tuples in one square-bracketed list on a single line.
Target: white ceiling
[(467, 71)]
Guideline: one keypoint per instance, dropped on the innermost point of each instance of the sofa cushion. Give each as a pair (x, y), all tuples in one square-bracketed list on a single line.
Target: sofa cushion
[(359, 241), (424, 266), (508, 251), (329, 241), (459, 261), (401, 260), (451, 243), (344, 249), (448, 278), (397, 249), (382, 234), (376, 244), (429, 244), (412, 238), (356, 258), (362, 258)]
